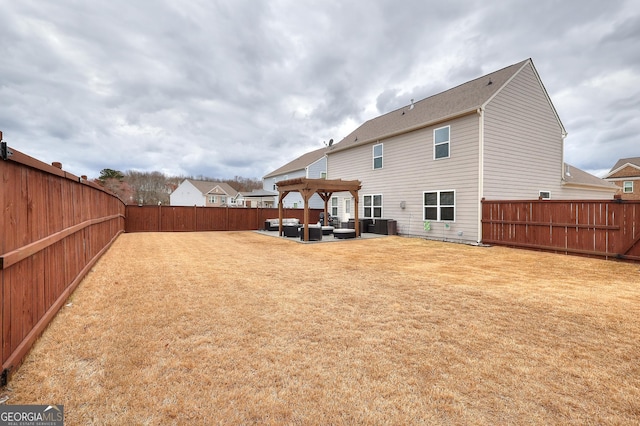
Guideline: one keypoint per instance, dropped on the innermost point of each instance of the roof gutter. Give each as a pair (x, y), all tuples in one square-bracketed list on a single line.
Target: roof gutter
[(337, 148), (591, 186)]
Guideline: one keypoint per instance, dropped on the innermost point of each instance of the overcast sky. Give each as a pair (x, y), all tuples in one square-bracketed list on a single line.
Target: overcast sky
[(241, 87)]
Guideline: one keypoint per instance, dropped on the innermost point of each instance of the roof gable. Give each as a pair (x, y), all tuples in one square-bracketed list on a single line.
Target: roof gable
[(460, 100), (633, 162), (299, 163), (206, 187)]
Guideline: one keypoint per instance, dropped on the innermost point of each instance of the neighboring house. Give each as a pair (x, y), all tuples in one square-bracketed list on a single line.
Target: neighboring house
[(260, 198), (193, 192), (625, 174), (310, 165), (428, 165)]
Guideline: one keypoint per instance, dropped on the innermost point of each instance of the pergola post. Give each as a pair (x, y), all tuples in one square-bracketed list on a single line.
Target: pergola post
[(326, 196), (354, 194), (281, 211), (306, 195)]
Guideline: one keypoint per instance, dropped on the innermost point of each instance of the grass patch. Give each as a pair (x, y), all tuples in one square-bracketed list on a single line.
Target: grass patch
[(237, 328)]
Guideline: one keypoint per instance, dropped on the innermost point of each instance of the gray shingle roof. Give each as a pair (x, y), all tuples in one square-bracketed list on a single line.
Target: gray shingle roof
[(580, 177), (299, 163), (621, 162), (205, 186), (461, 99)]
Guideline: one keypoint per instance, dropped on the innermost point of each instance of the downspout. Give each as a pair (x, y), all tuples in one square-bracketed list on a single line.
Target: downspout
[(563, 135), (480, 112)]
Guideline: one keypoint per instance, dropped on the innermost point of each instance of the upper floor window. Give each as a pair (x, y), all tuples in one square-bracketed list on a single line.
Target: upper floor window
[(212, 199), (372, 206), (627, 186), (544, 195), (377, 156), (440, 205), (441, 142)]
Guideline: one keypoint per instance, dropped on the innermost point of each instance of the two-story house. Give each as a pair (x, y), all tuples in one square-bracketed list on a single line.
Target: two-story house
[(626, 175), (310, 165), (203, 193), (429, 164)]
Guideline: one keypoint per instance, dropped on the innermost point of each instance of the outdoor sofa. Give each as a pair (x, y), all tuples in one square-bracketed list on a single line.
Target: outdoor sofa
[(274, 224)]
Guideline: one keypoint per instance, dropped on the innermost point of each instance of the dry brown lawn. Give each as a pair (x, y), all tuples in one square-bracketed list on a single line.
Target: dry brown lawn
[(243, 328)]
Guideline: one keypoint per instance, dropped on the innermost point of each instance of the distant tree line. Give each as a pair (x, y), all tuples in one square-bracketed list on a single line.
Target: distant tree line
[(153, 188)]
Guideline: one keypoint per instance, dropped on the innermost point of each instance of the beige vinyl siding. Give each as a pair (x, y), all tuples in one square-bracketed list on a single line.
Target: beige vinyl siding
[(522, 142), (409, 169)]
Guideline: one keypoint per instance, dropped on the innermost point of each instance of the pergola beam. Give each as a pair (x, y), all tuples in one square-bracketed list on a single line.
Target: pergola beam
[(326, 196)]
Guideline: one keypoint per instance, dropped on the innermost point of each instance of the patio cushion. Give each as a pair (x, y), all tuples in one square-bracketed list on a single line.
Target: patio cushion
[(344, 233)]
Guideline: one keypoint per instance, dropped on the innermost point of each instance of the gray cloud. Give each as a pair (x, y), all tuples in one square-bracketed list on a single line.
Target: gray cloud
[(228, 88)]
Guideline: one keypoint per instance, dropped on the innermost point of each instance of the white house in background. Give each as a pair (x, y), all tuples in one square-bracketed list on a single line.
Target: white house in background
[(203, 193), (310, 165), (260, 198), (429, 164)]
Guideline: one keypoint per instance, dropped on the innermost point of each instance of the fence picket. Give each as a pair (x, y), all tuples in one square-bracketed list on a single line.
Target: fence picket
[(600, 228), (54, 227)]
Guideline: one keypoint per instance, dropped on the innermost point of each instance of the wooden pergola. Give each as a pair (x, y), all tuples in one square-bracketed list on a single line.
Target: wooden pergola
[(325, 189)]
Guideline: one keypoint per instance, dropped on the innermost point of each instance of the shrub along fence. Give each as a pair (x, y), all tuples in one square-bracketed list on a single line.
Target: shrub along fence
[(178, 218), (603, 228), (55, 226)]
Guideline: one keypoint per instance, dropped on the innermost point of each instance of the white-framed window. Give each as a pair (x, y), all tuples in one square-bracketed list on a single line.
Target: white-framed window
[(323, 175), (439, 205), (545, 195), (373, 206), (223, 200), (627, 186), (377, 156), (441, 142), (212, 199), (334, 207)]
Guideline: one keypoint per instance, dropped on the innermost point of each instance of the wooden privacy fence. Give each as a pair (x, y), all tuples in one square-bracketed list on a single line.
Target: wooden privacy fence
[(179, 218), (55, 226), (604, 228)]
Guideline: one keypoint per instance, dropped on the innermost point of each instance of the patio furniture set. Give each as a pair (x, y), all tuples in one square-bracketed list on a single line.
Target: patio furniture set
[(293, 229)]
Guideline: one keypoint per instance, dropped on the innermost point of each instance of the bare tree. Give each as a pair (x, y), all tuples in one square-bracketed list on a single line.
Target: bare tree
[(149, 188), (152, 188)]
